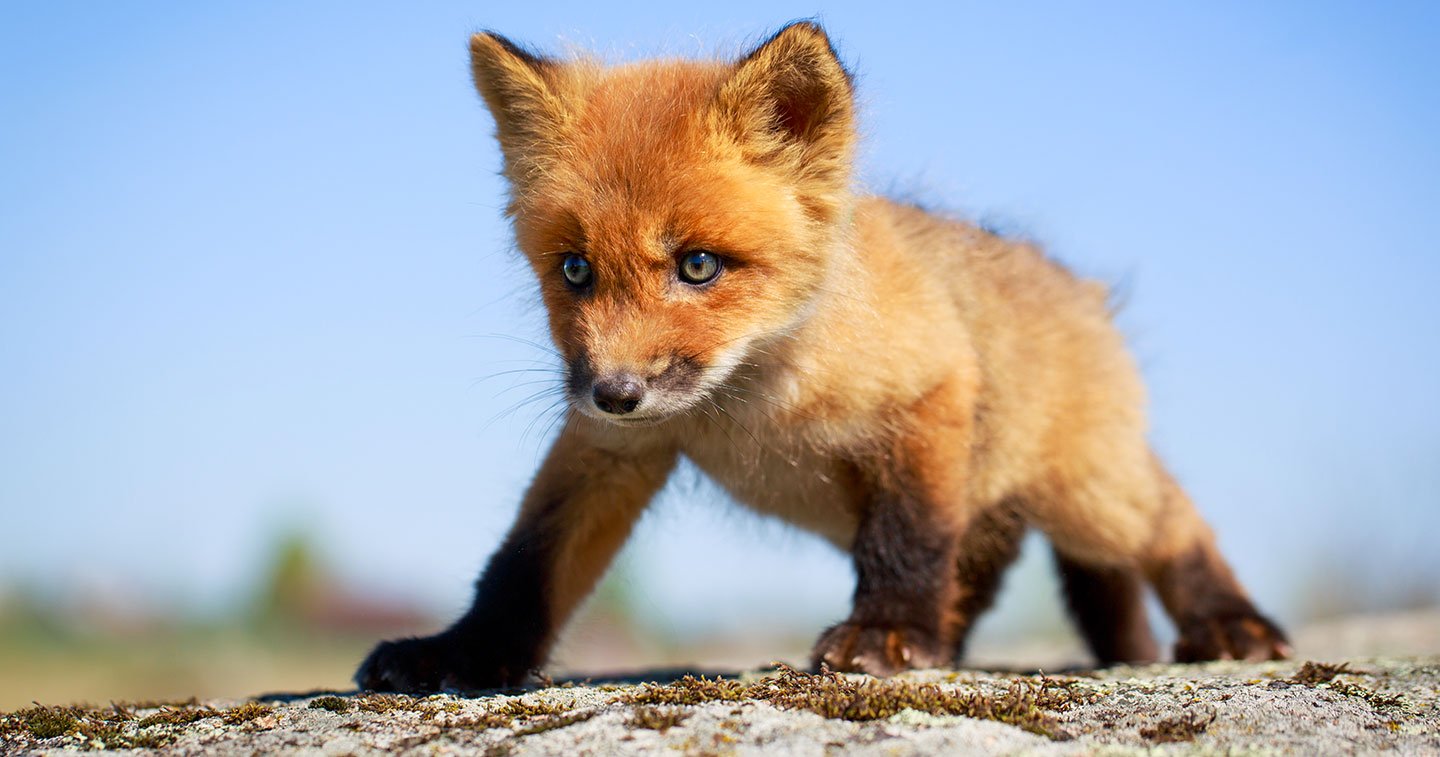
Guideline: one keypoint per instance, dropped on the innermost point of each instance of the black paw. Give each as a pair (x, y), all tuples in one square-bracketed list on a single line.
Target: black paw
[(409, 665), (1242, 634), (852, 647), (429, 664)]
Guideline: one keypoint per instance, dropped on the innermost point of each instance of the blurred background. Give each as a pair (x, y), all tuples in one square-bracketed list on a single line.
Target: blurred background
[(257, 301)]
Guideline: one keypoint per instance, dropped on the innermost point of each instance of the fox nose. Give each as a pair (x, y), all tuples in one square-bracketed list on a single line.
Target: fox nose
[(618, 395)]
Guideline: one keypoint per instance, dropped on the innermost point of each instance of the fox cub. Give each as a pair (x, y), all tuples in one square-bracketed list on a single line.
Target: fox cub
[(913, 389)]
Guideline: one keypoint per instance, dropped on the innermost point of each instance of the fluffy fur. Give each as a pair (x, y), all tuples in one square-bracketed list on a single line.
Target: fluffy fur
[(912, 388)]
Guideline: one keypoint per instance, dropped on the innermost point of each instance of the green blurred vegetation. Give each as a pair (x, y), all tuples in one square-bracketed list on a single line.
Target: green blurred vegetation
[(299, 630)]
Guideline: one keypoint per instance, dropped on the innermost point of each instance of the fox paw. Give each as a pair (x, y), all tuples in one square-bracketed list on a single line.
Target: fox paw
[(428, 664), (1236, 635), (852, 647), (409, 665)]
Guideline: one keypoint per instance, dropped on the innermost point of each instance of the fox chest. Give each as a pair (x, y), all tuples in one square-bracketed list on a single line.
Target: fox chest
[(787, 481)]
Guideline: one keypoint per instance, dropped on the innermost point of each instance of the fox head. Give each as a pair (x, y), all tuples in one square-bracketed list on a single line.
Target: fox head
[(678, 214)]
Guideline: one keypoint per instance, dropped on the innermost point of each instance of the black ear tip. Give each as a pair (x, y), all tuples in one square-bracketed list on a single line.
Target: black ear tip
[(815, 31), (812, 26), (806, 26), (518, 51), (795, 30)]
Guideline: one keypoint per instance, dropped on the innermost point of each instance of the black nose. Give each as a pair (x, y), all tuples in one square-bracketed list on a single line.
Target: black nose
[(618, 395)]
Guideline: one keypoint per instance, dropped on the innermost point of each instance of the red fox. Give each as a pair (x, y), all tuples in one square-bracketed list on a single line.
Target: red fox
[(915, 390)]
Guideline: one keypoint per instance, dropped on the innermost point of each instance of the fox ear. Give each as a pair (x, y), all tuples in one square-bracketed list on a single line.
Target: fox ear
[(790, 99), (519, 87)]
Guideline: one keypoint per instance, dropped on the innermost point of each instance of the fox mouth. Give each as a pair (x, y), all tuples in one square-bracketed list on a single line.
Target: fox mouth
[(632, 396), (630, 422)]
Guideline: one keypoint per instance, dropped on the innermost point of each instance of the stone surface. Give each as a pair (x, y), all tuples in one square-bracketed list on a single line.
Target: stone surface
[(1363, 704), (1370, 705)]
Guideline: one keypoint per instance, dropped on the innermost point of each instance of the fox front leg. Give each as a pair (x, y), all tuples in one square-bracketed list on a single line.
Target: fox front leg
[(905, 589), (913, 513), (575, 517)]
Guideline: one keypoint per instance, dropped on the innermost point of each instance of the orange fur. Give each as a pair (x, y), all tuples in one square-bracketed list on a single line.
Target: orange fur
[(874, 373)]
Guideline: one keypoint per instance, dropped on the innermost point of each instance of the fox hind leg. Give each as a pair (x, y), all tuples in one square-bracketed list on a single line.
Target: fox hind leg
[(1215, 617), (1107, 604), (987, 548), (1126, 514)]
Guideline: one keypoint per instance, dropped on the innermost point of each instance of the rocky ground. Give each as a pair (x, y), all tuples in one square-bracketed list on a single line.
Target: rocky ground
[(1361, 704)]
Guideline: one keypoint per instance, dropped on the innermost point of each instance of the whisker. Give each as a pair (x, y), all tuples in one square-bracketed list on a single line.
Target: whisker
[(557, 407), (512, 372), (769, 417), (736, 421), (556, 383), (777, 403), (568, 414), (714, 421), (521, 340), (522, 403)]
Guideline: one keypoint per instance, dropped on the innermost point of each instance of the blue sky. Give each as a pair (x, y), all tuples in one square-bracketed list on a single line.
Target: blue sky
[(251, 263)]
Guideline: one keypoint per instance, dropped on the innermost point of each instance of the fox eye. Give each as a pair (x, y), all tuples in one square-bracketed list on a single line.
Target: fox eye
[(577, 271), (699, 267)]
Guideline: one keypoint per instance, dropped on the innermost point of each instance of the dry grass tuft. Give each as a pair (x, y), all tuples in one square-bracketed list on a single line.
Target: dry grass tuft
[(1180, 728), (246, 713), (1027, 704), (659, 719), (331, 703), (1316, 673)]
